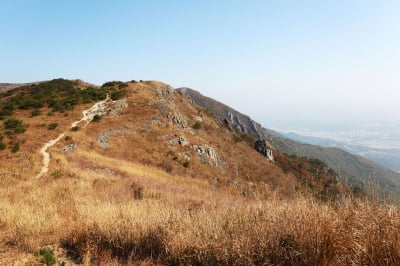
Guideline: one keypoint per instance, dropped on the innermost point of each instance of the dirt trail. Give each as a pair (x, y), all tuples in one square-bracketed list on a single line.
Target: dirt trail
[(98, 108)]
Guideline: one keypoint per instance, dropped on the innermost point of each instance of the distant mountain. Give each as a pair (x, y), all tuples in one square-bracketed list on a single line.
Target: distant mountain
[(387, 157), (9, 86), (357, 170), (4, 87)]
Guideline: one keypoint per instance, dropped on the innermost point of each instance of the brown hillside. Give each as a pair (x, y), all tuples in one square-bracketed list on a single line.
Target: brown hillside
[(156, 179)]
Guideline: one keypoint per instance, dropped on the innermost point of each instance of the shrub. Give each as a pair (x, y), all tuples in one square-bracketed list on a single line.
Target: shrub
[(197, 126), (57, 174), (47, 256), (14, 126), (36, 112), (75, 128), (16, 147), (96, 118), (12, 123), (52, 126), (114, 83), (118, 94), (67, 138), (3, 146), (186, 164)]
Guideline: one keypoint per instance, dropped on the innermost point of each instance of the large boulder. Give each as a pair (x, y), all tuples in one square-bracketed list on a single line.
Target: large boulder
[(263, 147)]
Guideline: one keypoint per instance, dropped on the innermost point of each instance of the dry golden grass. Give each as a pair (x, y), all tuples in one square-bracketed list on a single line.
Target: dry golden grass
[(185, 222)]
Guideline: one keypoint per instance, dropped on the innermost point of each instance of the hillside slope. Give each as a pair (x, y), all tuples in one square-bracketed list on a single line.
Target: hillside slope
[(143, 176), (357, 171)]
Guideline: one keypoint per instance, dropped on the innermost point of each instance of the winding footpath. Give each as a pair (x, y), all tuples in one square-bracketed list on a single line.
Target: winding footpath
[(98, 108)]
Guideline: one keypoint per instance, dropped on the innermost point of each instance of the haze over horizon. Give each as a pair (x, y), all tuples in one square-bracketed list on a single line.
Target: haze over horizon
[(311, 64)]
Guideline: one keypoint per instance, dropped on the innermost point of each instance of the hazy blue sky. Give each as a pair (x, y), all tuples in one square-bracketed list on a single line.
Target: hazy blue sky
[(282, 62)]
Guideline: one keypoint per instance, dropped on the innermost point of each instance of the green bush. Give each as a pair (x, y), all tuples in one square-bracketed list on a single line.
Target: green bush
[(197, 126), (16, 147), (67, 138), (3, 146), (186, 164), (36, 112), (113, 84), (14, 126), (47, 256), (12, 123), (59, 94), (118, 94), (52, 126), (96, 118), (75, 128)]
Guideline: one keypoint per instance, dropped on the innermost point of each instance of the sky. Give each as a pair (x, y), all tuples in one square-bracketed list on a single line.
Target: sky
[(285, 63)]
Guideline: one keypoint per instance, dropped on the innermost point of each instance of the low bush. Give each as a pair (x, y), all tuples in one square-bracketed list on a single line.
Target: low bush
[(96, 118), (52, 126), (46, 256), (16, 147), (118, 94), (196, 126), (36, 112), (14, 126), (3, 146)]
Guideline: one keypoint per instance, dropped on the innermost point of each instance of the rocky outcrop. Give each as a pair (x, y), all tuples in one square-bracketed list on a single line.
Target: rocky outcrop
[(164, 89), (179, 121), (69, 147), (103, 139), (208, 156), (263, 147), (116, 106), (181, 140)]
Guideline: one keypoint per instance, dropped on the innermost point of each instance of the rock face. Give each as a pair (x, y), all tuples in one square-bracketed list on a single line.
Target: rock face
[(164, 89), (208, 155), (264, 148), (180, 122)]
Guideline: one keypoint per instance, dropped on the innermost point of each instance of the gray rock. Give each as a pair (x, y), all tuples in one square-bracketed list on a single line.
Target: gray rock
[(208, 155), (179, 121), (179, 140), (263, 147), (186, 155), (165, 90), (103, 139), (69, 147)]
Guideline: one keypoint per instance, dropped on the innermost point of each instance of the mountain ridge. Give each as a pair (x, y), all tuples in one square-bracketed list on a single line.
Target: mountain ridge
[(152, 178), (355, 169)]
